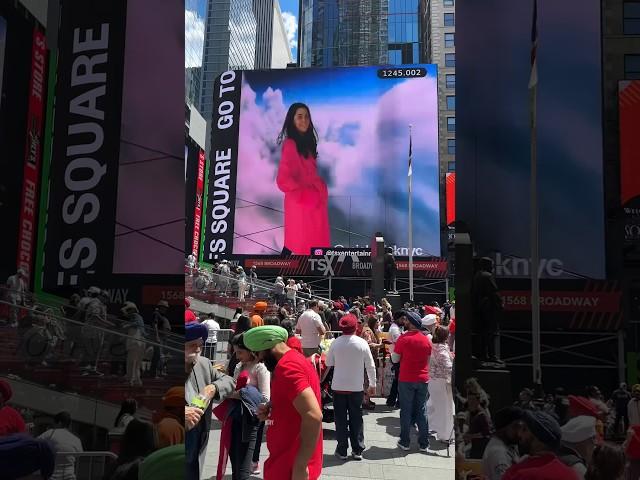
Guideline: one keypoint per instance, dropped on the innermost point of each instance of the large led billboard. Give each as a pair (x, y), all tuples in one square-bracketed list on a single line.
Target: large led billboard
[(268, 193), (494, 138)]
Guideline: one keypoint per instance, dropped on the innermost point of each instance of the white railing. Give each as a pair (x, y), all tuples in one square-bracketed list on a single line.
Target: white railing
[(90, 465)]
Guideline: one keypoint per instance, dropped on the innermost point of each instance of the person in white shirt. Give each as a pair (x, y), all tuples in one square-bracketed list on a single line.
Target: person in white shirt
[(350, 355), (633, 407), (260, 378), (63, 440), (17, 287), (502, 450), (292, 292), (311, 328), (395, 331), (212, 339)]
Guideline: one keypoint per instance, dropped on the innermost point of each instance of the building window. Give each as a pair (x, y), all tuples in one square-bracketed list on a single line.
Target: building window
[(450, 80), (449, 59), (451, 146), (449, 3), (632, 67), (449, 20), (449, 40), (451, 102), (631, 24), (451, 166), (451, 124)]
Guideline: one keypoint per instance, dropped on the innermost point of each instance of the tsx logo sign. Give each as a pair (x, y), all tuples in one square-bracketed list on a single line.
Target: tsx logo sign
[(323, 265)]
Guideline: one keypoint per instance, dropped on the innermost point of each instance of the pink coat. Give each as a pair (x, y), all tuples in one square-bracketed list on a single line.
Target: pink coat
[(306, 213)]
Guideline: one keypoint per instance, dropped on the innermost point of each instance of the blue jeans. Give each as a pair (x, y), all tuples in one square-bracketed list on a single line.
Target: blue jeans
[(413, 398)]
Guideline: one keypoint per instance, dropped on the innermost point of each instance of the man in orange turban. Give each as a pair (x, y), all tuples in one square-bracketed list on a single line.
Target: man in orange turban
[(259, 310)]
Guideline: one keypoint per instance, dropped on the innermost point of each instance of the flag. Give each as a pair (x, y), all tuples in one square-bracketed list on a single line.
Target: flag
[(410, 154), (533, 79)]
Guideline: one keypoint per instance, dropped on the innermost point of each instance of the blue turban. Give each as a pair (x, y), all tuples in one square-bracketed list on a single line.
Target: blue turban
[(194, 331), (22, 455)]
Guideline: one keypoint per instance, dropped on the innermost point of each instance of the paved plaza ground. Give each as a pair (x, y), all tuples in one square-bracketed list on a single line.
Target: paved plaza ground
[(381, 460)]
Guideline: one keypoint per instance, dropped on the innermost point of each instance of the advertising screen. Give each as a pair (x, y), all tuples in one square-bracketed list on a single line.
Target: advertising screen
[(3, 42), (268, 193), (112, 213), (629, 108), (494, 136)]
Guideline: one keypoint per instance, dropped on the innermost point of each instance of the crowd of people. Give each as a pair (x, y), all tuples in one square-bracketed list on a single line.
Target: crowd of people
[(284, 366), (552, 435), (86, 329)]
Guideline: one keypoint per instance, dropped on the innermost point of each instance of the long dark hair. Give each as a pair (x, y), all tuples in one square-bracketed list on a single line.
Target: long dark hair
[(607, 462), (138, 441), (129, 405), (306, 143), (243, 324)]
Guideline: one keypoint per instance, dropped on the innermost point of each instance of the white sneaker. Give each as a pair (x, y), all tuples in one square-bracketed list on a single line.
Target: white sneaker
[(341, 457), (402, 447)]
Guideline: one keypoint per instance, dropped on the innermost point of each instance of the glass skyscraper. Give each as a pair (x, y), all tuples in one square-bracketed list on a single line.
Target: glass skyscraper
[(194, 12), (237, 35), (356, 32)]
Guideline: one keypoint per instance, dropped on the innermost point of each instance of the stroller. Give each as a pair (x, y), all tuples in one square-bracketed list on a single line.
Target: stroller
[(325, 374)]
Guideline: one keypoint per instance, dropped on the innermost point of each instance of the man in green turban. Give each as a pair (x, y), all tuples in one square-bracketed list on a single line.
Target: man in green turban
[(294, 412)]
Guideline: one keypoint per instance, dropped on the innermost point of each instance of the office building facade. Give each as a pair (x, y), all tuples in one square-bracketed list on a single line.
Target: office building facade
[(438, 46), (353, 32), (280, 48)]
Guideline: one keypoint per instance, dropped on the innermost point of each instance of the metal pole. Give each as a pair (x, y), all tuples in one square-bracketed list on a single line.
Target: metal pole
[(535, 252), (446, 287), (330, 297), (410, 231), (621, 359)]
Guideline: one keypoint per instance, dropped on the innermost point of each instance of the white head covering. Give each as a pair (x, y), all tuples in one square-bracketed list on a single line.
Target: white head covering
[(429, 320), (579, 429)]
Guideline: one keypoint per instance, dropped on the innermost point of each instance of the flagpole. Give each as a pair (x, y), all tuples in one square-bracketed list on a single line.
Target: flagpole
[(534, 221), (410, 220)]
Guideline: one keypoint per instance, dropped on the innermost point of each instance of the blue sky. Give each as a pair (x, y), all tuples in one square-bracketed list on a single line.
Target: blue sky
[(194, 28), (289, 10)]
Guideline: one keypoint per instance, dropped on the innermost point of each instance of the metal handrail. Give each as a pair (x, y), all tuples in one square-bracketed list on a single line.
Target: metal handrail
[(173, 337), (261, 284), (95, 327), (97, 455)]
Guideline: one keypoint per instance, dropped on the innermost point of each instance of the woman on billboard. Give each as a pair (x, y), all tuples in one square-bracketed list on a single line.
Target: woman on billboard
[(306, 214)]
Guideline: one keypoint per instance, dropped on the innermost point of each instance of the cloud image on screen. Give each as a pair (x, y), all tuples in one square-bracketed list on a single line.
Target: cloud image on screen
[(363, 150)]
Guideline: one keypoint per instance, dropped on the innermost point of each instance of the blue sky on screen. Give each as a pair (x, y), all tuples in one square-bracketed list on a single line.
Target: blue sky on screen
[(363, 144)]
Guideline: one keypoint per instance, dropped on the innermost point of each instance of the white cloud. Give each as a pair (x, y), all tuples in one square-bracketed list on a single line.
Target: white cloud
[(193, 39), (291, 27)]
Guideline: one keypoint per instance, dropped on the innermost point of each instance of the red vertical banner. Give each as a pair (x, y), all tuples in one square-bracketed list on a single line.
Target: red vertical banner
[(197, 215), (450, 192), (629, 107), (33, 151)]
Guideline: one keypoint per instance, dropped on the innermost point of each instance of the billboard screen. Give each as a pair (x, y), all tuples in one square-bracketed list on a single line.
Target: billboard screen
[(267, 195), (629, 108), (494, 138), (112, 211)]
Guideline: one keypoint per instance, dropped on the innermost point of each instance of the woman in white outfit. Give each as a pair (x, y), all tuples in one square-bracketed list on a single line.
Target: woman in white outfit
[(135, 342), (440, 406), (242, 283)]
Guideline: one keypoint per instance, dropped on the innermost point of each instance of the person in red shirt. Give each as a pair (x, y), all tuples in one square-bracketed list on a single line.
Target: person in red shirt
[(10, 420), (413, 350), (540, 438), (294, 415)]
